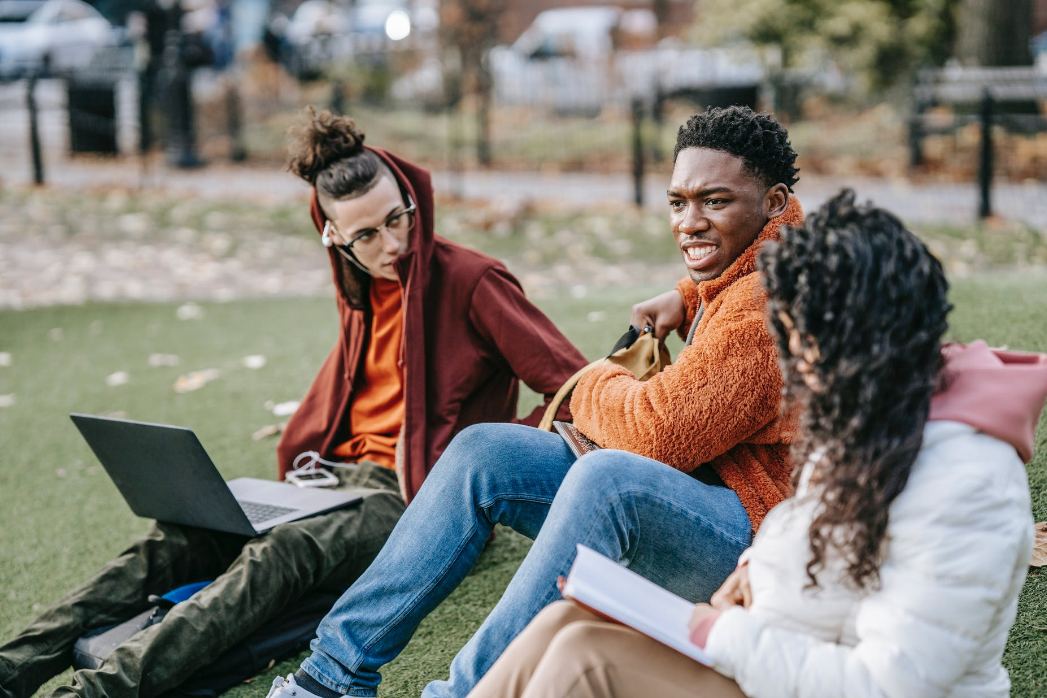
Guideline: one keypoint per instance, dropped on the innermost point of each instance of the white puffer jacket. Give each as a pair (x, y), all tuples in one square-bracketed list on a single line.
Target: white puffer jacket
[(959, 541)]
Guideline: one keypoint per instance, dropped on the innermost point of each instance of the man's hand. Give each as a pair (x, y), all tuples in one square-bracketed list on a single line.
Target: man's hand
[(735, 591), (665, 313)]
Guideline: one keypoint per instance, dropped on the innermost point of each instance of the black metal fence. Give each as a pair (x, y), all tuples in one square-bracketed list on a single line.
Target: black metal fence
[(1001, 104), (975, 142)]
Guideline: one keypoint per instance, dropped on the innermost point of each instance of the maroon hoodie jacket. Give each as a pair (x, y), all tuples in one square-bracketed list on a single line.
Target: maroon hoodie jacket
[(469, 335)]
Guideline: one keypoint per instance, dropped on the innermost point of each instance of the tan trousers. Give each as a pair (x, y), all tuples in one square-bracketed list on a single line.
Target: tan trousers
[(567, 652)]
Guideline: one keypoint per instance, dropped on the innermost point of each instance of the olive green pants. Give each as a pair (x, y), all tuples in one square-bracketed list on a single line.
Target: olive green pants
[(254, 580)]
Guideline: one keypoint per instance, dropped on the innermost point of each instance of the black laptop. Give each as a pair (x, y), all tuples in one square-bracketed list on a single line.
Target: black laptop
[(164, 473)]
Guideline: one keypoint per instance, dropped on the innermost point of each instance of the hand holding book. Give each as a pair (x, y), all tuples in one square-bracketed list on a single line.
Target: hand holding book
[(735, 590), (610, 590)]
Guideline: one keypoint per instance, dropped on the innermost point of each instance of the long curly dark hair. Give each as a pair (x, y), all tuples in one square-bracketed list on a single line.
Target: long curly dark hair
[(857, 306)]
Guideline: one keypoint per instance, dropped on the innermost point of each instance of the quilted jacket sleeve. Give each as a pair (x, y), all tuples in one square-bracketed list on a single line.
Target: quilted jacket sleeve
[(722, 389), (961, 540)]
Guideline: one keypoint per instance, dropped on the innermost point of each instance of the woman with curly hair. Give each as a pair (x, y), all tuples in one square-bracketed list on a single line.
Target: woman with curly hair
[(894, 569), (434, 337)]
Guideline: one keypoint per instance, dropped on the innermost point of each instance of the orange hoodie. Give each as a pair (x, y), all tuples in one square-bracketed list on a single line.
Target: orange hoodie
[(718, 404)]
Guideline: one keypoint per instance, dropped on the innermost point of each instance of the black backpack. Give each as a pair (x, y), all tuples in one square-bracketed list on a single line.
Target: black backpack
[(286, 635)]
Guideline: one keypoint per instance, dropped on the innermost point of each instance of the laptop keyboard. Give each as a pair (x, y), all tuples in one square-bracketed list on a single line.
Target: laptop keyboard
[(258, 513)]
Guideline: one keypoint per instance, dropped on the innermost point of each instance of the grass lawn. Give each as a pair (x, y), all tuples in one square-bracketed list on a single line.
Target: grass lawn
[(62, 518)]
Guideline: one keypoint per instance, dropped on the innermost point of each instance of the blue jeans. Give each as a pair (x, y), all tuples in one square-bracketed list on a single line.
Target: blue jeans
[(664, 524)]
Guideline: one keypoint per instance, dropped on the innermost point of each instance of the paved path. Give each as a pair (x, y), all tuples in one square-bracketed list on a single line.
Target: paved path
[(914, 203)]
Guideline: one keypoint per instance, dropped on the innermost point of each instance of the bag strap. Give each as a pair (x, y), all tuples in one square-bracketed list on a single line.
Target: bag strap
[(554, 405), (622, 347)]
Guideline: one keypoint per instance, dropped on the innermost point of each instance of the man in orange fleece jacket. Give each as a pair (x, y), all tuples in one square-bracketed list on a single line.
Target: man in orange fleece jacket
[(703, 452)]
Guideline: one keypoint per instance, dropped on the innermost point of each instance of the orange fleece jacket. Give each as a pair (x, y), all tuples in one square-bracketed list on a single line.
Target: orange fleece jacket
[(719, 403)]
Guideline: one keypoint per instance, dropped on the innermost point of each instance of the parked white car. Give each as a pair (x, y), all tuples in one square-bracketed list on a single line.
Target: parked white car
[(570, 62), (567, 61), (51, 37)]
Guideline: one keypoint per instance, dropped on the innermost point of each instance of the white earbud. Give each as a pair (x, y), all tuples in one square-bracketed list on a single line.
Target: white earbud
[(326, 237)]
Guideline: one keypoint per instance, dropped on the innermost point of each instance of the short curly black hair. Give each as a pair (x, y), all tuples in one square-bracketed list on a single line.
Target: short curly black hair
[(757, 139), (857, 305)]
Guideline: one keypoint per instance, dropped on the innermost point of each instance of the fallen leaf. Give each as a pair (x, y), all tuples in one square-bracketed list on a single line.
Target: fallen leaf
[(7, 400), (255, 361), (118, 378), (1039, 550), (189, 311), (285, 409), (269, 430), (5, 358), (157, 360), (195, 380)]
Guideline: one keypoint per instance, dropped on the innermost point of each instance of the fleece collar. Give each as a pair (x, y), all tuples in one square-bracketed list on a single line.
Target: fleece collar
[(746, 262)]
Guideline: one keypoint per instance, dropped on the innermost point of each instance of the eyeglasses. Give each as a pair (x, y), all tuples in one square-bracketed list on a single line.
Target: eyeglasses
[(397, 224)]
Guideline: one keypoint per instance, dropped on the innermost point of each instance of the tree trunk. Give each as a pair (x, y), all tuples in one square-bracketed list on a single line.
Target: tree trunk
[(994, 32), (484, 87)]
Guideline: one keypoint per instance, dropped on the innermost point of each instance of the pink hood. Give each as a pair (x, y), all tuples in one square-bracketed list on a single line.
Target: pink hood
[(1000, 393)]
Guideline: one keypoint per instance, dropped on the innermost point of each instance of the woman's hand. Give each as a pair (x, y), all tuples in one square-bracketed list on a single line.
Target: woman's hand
[(701, 612), (735, 591), (664, 312)]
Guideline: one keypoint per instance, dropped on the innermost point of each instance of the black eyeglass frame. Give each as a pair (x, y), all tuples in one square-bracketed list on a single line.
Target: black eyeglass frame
[(409, 210)]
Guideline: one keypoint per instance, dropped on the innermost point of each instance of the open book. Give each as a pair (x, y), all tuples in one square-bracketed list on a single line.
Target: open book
[(602, 585)]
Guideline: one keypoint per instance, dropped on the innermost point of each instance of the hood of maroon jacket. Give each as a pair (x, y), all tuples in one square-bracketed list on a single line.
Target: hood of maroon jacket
[(437, 277)]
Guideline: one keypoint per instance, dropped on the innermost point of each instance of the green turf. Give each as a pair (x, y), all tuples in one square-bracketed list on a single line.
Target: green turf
[(61, 517)]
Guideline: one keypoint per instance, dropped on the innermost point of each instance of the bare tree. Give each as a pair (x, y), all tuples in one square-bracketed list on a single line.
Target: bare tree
[(469, 28), (994, 32)]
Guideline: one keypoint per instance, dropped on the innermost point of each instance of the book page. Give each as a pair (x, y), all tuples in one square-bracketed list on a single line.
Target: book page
[(612, 590)]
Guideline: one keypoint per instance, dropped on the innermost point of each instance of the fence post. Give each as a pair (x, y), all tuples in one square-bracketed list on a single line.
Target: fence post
[(916, 122), (338, 97), (34, 130), (454, 154), (146, 93), (985, 165), (638, 158), (658, 116), (181, 140), (483, 117), (234, 114)]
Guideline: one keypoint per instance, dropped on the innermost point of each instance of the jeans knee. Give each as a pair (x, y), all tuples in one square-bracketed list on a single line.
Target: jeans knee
[(472, 459), (600, 474)]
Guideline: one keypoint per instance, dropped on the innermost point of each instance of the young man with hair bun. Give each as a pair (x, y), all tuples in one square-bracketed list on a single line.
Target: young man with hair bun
[(434, 337)]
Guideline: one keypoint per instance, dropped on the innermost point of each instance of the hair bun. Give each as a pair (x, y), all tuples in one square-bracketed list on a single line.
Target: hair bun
[(320, 140)]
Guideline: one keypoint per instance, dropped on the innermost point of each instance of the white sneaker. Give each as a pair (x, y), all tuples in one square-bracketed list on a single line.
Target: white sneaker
[(285, 688)]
